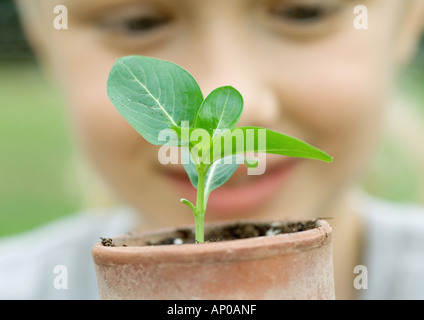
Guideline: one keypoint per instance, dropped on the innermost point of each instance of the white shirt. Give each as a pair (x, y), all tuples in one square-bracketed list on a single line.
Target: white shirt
[(54, 261), (394, 251)]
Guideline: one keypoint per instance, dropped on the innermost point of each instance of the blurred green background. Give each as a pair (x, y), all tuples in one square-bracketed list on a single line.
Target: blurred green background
[(38, 181), (38, 170)]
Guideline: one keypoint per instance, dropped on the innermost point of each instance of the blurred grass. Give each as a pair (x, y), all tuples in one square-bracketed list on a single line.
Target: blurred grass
[(397, 172), (35, 150)]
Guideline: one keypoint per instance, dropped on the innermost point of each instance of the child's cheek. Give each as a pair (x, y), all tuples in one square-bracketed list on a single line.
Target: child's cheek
[(98, 126), (334, 98), (82, 70)]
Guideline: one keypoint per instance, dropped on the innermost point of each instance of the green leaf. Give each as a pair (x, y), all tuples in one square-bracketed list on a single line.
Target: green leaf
[(189, 204), (261, 140), (218, 173), (153, 95), (189, 167), (220, 110)]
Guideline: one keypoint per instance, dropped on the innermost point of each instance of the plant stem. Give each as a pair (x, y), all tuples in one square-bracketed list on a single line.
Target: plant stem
[(200, 228), (199, 215)]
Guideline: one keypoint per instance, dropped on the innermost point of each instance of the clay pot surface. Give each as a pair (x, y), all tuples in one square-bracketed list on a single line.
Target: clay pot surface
[(285, 266)]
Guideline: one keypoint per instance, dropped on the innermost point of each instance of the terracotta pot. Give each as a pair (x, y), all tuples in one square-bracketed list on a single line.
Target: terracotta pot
[(286, 266)]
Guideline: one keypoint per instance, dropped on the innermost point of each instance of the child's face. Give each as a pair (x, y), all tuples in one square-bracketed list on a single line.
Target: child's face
[(301, 66)]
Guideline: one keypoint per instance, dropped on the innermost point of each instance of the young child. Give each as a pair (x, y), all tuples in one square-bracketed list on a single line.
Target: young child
[(303, 67)]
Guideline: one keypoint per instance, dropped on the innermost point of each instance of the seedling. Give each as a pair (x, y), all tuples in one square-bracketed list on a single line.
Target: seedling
[(164, 103)]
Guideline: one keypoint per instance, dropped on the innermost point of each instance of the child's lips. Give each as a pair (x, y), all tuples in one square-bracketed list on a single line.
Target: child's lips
[(242, 194)]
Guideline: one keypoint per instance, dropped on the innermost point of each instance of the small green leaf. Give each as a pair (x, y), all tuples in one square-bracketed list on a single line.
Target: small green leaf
[(153, 95), (189, 167), (189, 204), (218, 173), (220, 110)]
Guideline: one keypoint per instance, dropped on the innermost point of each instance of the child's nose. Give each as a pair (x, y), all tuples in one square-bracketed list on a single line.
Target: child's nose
[(226, 62)]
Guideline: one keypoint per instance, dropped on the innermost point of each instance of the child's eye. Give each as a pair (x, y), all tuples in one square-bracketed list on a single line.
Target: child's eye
[(301, 13), (305, 19), (141, 24), (135, 25), (307, 12)]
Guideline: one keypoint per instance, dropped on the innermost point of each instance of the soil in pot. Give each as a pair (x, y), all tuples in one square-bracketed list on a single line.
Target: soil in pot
[(218, 233)]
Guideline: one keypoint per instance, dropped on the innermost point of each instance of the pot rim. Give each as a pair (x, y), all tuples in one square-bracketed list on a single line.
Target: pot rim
[(239, 249)]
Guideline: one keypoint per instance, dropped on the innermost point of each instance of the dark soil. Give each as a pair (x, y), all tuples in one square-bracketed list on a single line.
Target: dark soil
[(107, 242), (228, 232)]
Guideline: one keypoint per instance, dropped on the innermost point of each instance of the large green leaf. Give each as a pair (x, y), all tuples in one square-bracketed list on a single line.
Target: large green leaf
[(220, 110), (153, 95), (261, 140)]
